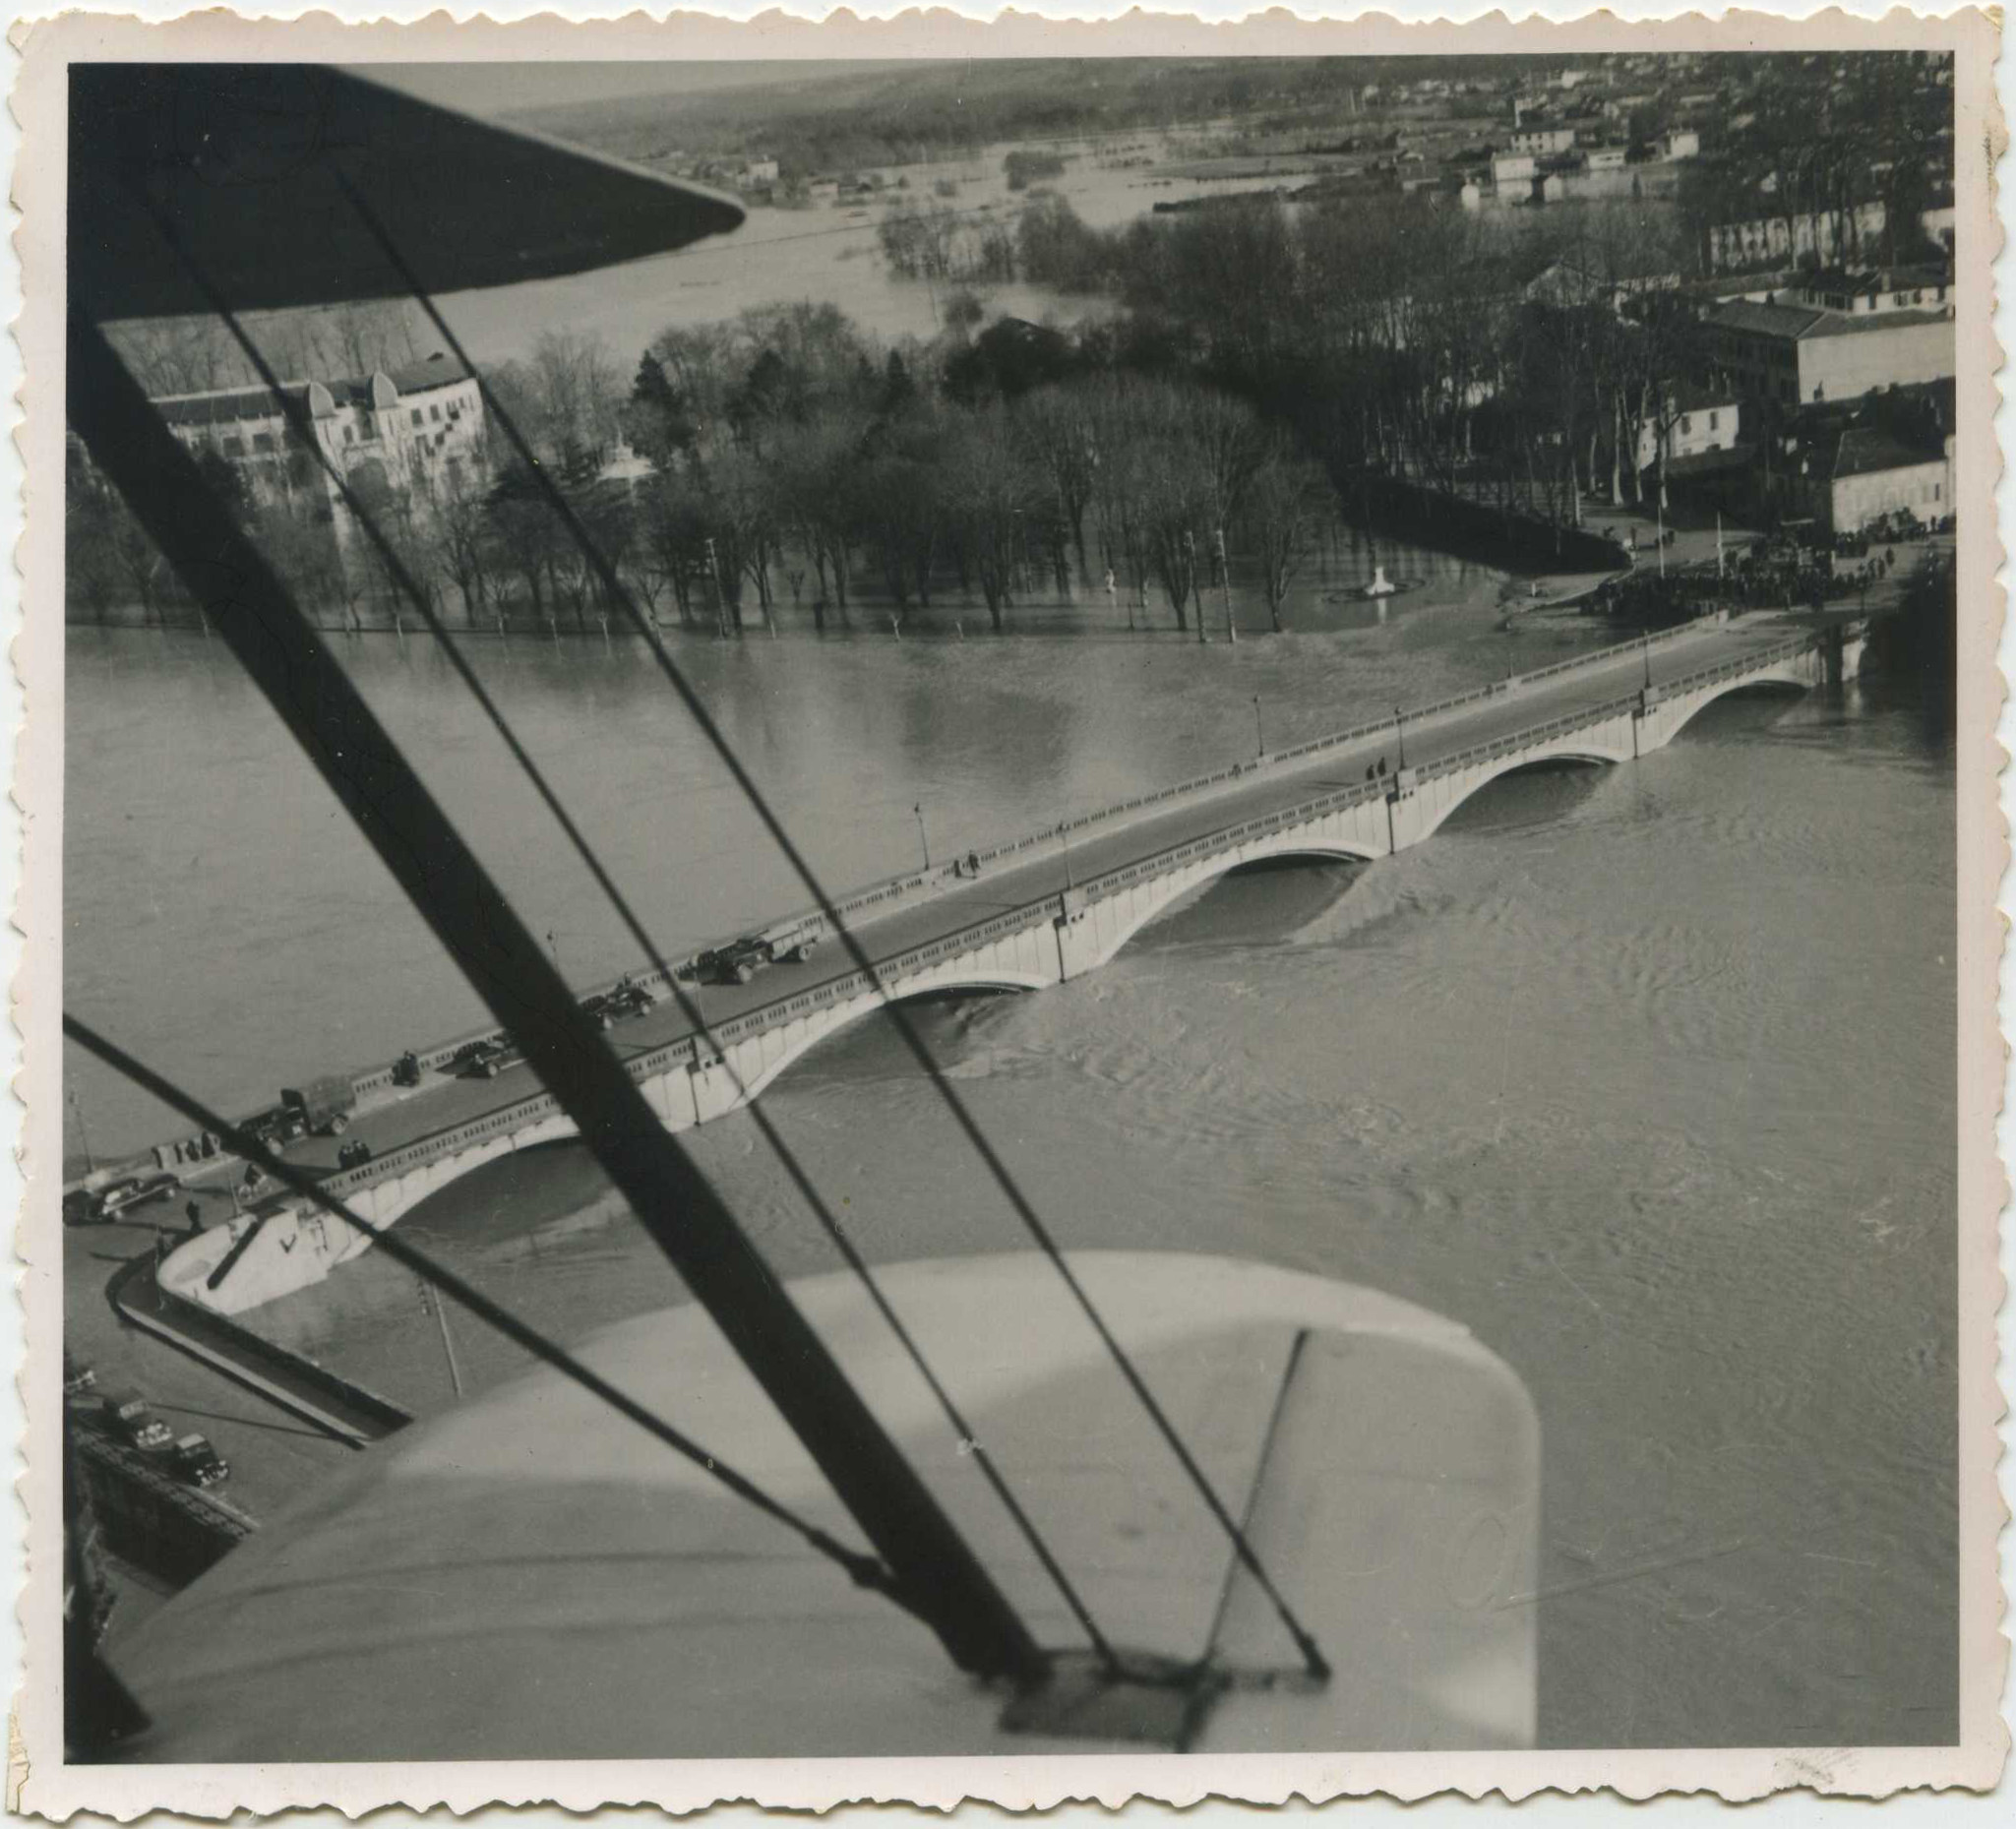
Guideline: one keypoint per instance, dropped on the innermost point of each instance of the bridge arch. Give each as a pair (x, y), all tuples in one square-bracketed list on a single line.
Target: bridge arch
[(1788, 678), (1439, 797), (793, 1043), (1118, 919)]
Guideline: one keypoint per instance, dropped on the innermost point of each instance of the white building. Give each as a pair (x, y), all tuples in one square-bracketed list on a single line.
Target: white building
[(416, 431), (1694, 420)]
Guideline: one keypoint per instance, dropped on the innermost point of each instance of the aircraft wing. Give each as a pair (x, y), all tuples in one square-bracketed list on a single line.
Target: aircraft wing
[(245, 163)]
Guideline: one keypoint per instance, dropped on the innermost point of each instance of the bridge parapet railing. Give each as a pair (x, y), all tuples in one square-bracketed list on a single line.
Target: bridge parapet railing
[(881, 895), (691, 1048)]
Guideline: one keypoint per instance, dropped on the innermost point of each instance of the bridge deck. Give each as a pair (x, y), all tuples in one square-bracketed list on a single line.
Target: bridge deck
[(440, 1103)]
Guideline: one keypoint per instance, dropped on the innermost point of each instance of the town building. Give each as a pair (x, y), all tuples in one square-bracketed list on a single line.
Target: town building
[(1514, 167), (1799, 355), (1813, 237), (415, 431), (1695, 421), (1860, 473), (1682, 143), (1609, 158), (1862, 294), (1541, 137)]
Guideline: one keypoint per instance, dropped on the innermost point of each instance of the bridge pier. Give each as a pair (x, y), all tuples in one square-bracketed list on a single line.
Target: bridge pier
[(1842, 650)]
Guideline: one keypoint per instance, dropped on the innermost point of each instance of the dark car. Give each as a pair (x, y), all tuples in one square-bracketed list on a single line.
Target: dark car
[(498, 1058), (630, 998), (129, 1417), (350, 1154), (199, 1463), (735, 963)]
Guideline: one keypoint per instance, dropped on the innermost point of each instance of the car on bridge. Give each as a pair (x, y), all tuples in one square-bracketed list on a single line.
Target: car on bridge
[(199, 1463), (131, 1190), (735, 963), (739, 962), (486, 1060), (129, 1417)]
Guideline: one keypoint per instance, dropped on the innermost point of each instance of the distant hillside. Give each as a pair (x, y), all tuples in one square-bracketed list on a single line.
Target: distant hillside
[(916, 111)]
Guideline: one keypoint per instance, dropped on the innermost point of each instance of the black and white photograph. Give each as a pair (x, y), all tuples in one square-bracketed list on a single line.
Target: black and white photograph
[(1004, 906)]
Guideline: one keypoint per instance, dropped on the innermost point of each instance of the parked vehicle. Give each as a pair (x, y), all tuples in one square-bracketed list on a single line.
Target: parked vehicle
[(276, 1126), (199, 1463), (487, 1060), (78, 1380), (323, 1106), (350, 1154), (735, 963), (130, 1418), (630, 998), (473, 1058), (115, 1197), (794, 948), (740, 960), (405, 1070)]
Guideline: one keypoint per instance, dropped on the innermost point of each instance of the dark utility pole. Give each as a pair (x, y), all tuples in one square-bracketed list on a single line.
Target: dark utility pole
[(933, 1573)]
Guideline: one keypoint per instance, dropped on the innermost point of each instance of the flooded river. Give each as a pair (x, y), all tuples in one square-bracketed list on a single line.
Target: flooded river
[(1644, 1074), (830, 253)]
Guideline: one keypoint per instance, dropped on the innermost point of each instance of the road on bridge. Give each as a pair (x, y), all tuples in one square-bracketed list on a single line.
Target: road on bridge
[(440, 1103)]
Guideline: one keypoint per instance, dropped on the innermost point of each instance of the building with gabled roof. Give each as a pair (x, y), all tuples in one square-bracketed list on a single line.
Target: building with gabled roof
[(416, 430), (1796, 354)]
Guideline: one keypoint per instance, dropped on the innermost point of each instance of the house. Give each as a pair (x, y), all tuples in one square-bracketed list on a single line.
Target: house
[(1798, 354), (1606, 157), (757, 172), (823, 190), (1694, 420), (1514, 167), (1682, 143)]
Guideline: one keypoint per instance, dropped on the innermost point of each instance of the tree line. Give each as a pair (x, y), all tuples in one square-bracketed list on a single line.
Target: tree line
[(782, 453)]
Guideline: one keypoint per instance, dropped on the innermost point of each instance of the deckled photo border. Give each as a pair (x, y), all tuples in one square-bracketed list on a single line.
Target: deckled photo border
[(40, 1783)]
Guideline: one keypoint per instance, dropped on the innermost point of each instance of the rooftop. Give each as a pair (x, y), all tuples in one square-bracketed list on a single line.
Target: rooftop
[(1796, 322), (229, 405)]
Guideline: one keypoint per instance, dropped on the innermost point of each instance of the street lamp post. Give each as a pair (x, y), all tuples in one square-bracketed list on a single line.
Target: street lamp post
[(1225, 583), (923, 839), (1063, 841), (1189, 549), (1400, 731), (1645, 642), (1259, 728), (82, 1136)]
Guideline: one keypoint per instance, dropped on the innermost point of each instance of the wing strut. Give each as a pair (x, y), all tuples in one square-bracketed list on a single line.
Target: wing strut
[(937, 1575)]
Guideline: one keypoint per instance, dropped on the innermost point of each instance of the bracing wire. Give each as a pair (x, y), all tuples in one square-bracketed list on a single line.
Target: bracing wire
[(866, 1571), (296, 417), (617, 593), (613, 587)]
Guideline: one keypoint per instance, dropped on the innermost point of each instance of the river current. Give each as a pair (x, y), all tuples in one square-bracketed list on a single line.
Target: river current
[(1646, 1075)]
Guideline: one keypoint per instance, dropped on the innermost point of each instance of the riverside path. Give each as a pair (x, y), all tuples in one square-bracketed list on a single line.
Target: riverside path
[(1041, 909)]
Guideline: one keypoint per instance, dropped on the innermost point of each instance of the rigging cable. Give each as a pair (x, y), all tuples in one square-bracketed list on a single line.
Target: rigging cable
[(414, 837), (866, 1571), (296, 417), (616, 592)]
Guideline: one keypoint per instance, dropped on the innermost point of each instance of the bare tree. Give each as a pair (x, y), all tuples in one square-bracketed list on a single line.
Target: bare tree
[(1286, 502)]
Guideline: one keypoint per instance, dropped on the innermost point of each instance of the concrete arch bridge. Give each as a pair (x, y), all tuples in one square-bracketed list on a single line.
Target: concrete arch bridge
[(1039, 911)]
